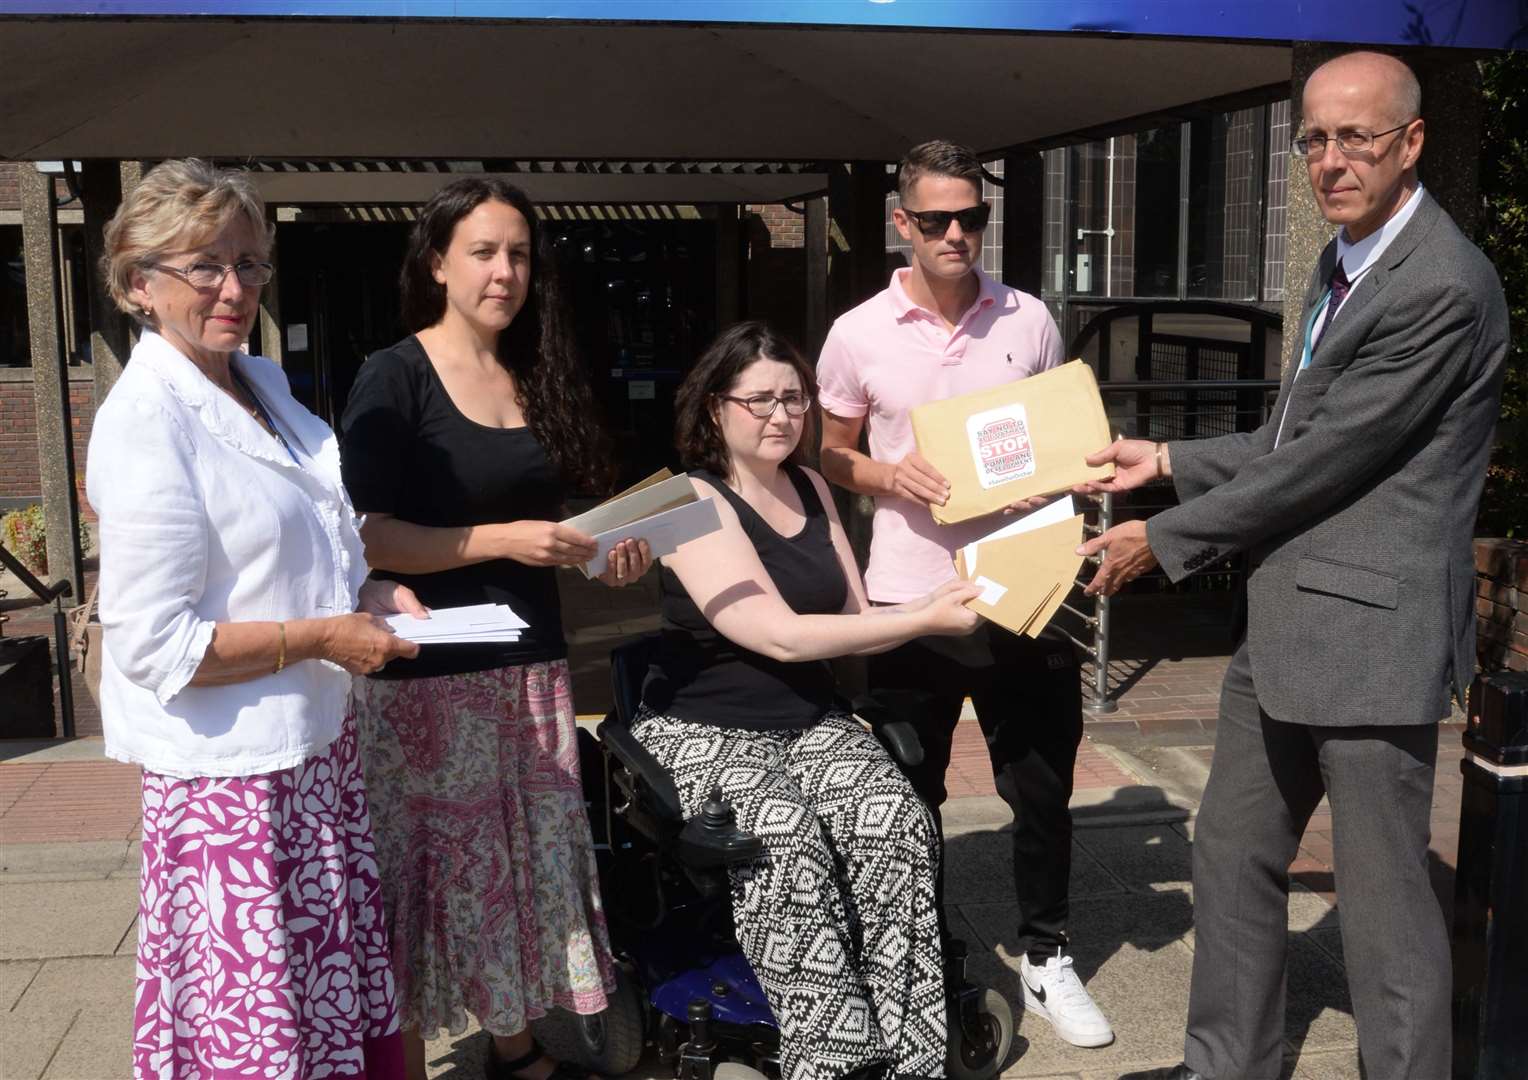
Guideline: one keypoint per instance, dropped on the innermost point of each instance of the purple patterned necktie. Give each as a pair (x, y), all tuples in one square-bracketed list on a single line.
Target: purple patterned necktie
[(1339, 286)]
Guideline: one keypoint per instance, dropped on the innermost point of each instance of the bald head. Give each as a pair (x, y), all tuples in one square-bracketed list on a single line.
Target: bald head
[(1373, 77)]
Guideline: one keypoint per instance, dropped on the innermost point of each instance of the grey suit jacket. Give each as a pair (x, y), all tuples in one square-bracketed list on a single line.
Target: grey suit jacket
[(1358, 525)]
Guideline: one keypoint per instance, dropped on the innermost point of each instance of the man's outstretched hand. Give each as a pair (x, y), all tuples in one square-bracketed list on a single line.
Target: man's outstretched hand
[(1135, 463), (1127, 556)]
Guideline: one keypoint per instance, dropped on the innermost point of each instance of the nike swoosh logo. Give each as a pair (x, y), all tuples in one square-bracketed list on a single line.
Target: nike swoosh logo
[(1038, 992)]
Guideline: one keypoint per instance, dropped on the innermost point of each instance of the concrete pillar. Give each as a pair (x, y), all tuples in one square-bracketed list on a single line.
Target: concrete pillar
[(50, 379), (1450, 166), (1024, 220), (101, 194)]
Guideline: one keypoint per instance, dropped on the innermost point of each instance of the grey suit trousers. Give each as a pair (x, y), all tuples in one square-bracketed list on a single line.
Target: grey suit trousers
[(1266, 780)]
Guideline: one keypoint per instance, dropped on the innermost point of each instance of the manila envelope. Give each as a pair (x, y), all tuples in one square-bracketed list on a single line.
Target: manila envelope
[(1015, 441), (1024, 577)]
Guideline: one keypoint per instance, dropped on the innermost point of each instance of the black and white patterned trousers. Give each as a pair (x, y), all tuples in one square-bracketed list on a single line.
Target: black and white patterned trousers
[(838, 918)]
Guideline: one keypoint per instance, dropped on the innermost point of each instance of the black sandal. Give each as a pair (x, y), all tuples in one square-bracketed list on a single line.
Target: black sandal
[(496, 1069)]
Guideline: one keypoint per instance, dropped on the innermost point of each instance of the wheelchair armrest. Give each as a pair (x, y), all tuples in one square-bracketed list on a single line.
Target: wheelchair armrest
[(894, 732), (711, 839), (661, 796)]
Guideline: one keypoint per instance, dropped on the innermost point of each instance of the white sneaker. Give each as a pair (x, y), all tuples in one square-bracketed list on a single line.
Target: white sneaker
[(1055, 993)]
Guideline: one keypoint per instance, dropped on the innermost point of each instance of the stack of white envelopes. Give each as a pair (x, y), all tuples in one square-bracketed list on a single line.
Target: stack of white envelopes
[(475, 624)]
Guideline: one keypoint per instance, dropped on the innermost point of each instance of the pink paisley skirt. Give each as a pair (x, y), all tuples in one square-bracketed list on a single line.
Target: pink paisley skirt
[(488, 871), (262, 950)]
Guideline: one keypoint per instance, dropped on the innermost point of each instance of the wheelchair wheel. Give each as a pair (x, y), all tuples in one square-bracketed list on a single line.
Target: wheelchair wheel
[(981, 1058), (736, 1070), (609, 1043)]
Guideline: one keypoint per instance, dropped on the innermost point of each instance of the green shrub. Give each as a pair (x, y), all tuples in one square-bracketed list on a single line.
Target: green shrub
[(25, 534), (1504, 239)]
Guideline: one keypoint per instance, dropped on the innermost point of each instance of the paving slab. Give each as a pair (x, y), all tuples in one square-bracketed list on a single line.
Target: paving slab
[(15, 976), (1143, 857), (98, 1045), (1318, 1013), (69, 861), (28, 1043), (1332, 1065), (979, 867), (70, 918)]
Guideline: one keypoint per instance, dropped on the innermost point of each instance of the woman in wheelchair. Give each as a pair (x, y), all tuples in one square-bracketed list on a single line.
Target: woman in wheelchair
[(838, 916)]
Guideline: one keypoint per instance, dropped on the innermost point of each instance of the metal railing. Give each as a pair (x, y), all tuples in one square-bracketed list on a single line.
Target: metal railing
[(1166, 410), (56, 593)]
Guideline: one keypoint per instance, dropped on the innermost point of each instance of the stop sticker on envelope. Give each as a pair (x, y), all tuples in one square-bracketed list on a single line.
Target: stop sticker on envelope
[(1000, 445)]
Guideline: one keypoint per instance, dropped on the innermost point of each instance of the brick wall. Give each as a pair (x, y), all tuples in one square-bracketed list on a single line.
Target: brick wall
[(10, 188), (20, 471), (1501, 577), (787, 229)]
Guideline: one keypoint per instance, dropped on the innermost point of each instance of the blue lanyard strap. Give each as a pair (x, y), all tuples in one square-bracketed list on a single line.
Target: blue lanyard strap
[(264, 415), (1326, 298)]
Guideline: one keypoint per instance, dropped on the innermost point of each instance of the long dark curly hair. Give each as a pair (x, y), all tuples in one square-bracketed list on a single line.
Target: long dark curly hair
[(538, 346)]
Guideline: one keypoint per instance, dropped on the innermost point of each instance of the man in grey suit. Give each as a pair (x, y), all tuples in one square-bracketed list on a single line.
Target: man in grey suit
[(1355, 504)]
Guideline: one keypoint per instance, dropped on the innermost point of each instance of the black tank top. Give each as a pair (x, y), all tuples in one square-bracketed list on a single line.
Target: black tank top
[(703, 677)]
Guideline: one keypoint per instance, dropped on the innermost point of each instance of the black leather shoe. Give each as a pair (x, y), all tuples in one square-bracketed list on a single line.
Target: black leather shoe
[(1177, 1072)]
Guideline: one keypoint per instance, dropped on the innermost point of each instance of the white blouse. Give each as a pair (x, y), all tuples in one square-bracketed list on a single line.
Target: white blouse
[(205, 518)]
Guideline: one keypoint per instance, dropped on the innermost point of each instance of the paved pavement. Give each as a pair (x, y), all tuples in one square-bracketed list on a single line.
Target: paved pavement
[(69, 866)]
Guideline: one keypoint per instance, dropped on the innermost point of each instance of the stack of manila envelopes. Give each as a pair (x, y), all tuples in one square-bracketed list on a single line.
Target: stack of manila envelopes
[(662, 509), (474, 624), (1016, 441), (1025, 569)]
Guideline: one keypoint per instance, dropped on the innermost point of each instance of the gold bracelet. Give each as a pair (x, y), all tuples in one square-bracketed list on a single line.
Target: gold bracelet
[(1159, 461), (280, 647)]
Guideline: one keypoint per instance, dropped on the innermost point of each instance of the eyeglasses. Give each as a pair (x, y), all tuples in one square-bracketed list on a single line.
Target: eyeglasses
[(763, 405), (209, 275), (935, 223), (1349, 142)]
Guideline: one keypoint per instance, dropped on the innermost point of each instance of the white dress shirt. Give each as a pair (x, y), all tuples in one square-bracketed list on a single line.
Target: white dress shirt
[(204, 519), (1358, 259)]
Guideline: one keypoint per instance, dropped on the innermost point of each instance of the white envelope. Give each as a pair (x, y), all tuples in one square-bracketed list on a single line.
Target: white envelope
[(482, 623), (664, 532)]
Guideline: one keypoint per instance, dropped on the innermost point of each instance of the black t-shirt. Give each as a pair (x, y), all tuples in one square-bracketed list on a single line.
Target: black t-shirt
[(406, 450), (703, 677)]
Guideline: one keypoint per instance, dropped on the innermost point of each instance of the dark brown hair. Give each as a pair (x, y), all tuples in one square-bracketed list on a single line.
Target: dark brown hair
[(696, 434), (940, 158), (538, 346)]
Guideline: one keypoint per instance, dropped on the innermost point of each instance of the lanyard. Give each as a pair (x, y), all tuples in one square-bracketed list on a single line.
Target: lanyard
[(1305, 355), (264, 415)]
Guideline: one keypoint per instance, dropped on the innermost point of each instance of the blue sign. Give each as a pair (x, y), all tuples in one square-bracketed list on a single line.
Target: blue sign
[(1481, 24)]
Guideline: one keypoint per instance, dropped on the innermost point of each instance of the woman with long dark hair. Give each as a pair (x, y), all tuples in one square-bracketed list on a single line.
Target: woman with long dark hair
[(459, 444)]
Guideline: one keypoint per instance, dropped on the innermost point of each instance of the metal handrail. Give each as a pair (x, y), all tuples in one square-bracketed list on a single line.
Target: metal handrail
[(1102, 700), (56, 593)]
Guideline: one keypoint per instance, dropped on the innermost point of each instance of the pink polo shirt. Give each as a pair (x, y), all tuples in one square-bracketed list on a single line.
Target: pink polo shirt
[(887, 356)]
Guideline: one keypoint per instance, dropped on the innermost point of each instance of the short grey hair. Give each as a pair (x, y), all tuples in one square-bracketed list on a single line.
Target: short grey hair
[(184, 202)]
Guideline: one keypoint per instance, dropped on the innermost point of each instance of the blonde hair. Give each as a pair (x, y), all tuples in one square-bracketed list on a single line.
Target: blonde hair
[(177, 200)]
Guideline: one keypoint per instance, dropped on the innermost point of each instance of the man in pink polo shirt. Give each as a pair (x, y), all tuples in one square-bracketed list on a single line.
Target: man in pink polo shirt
[(942, 328)]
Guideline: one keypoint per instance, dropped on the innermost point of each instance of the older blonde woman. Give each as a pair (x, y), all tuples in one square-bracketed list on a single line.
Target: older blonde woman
[(231, 577)]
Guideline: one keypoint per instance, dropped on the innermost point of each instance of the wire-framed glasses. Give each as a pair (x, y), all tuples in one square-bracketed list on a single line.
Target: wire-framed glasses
[(209, 275), (763, 405), (1349, 142)]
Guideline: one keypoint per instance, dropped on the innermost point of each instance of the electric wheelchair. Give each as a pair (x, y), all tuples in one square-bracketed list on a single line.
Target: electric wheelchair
[(683, 984)]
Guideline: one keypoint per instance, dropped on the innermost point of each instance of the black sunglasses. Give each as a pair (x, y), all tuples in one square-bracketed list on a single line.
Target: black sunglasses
[(935, 223)]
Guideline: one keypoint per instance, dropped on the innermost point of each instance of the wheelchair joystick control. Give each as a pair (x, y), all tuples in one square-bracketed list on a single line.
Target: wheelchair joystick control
[(700, 1026), (711, 839), (717, 814)]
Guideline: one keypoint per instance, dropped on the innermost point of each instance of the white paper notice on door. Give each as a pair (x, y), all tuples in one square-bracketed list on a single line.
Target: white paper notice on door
[(1000, 445)]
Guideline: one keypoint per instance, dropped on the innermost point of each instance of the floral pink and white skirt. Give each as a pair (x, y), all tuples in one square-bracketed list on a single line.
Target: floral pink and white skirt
[(262, 950)]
